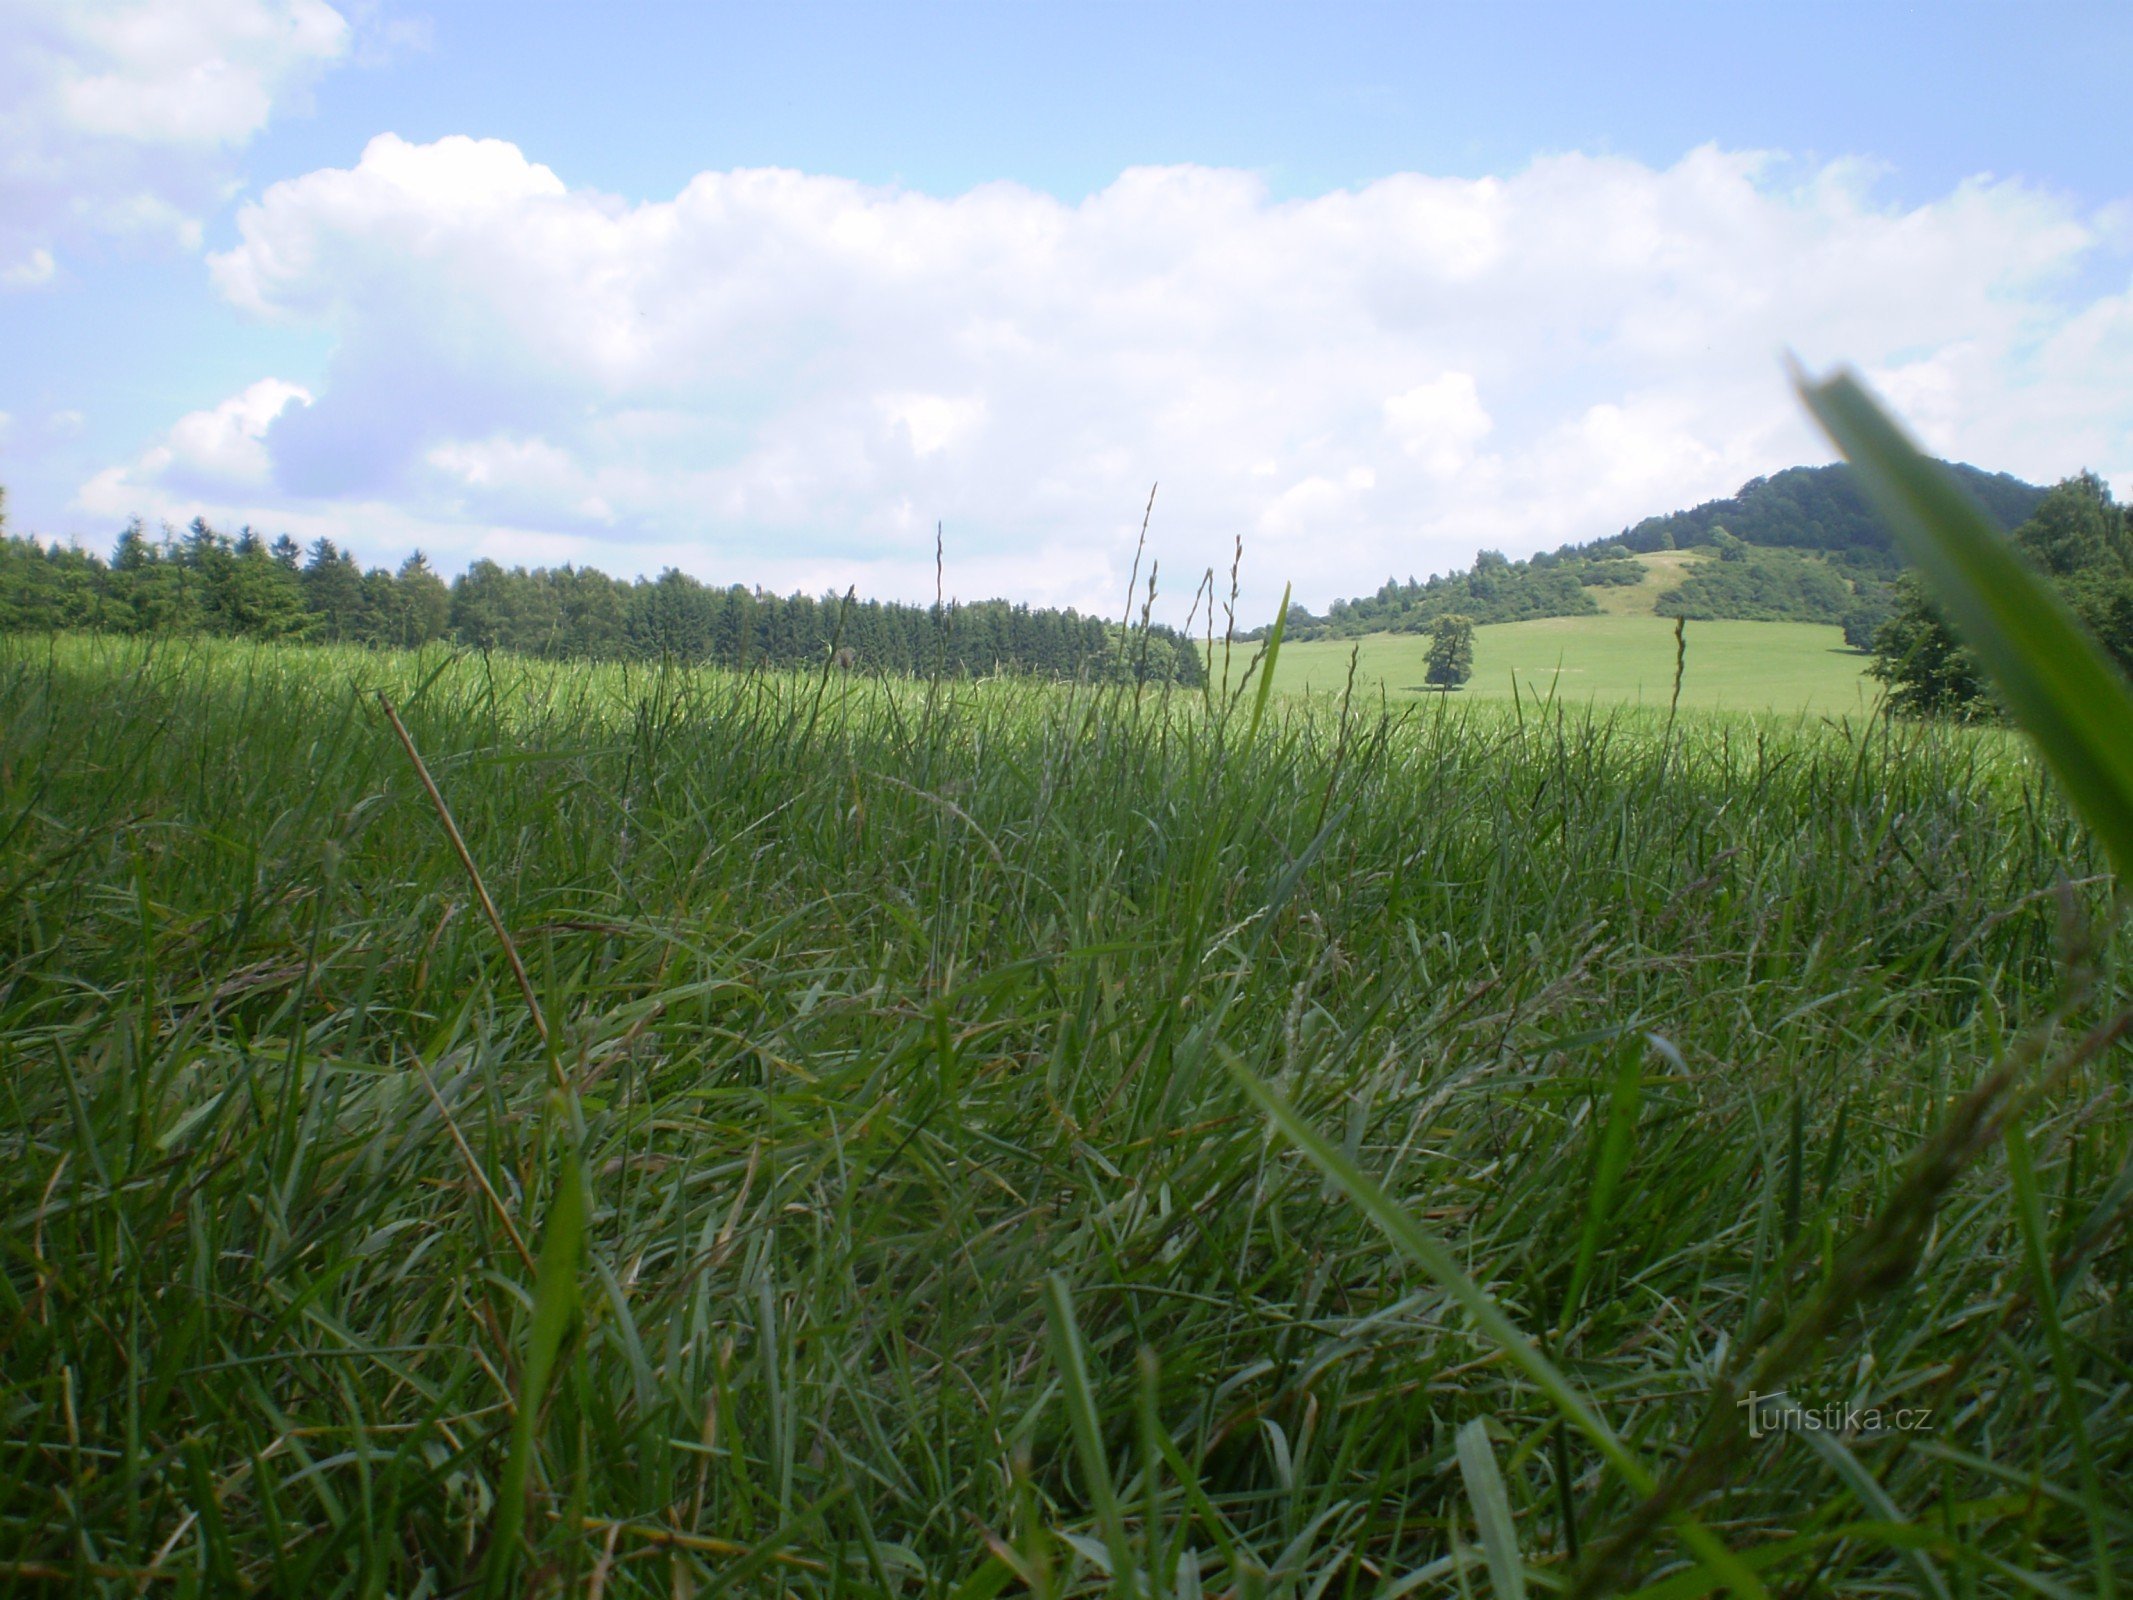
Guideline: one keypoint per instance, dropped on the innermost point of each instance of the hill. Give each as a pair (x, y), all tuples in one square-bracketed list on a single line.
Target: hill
[(1816, 508), (1801, 545)]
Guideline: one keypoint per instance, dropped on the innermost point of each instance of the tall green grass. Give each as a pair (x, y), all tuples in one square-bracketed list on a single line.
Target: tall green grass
[(933, 1242)]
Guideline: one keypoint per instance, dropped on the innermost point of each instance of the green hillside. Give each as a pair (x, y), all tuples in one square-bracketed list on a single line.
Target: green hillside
[(1799, 546)]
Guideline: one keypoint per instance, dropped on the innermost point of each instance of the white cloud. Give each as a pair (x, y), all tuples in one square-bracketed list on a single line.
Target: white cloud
[(213, 453), (123, 117), (1439, 422), (786, 378), (932, 422), (29, 271), (227, 444)]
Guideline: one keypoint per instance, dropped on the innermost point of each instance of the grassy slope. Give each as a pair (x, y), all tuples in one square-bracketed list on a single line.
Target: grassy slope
[(1663, 570), (880, 1007), (1623, 656)]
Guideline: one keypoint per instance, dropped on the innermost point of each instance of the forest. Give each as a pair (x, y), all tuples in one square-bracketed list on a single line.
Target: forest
[(247, 587)]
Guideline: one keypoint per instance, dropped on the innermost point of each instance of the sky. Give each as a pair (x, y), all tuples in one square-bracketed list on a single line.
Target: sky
[(770, 293)]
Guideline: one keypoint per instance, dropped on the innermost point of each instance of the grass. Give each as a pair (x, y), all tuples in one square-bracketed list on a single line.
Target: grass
[(892, 1206), (1783, 667), (1663, 570)]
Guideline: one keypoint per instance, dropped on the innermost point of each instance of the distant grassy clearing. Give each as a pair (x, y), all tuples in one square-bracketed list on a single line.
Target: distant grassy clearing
[(1663, 570), (1732, 666)]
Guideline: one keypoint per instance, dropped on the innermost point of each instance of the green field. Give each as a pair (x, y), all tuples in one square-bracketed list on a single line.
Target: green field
[(1613, 660), (920, 1141)]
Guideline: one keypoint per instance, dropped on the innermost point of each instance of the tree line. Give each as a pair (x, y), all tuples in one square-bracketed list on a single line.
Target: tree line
[(1497, 589), (245, 586)]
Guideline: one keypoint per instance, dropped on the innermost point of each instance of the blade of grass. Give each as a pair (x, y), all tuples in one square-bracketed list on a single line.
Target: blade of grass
[(1088, 1431), (555, 1304), (2029, 1207), (481, 890), (1876, 1499), (1492, 1510), (1614, 1160), (1151, 1430), (1266, 668), (1429, 1253)]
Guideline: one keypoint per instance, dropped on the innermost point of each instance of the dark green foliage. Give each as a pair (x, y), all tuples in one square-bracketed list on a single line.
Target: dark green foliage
[(1753, 585), (1817, 508), (334, 595), (50, 588), (1495, 590), (1871, 607), (204, 582), (423, 603), (1928, 672), (2078, 532), (1621, 573), (2079, 538), (1451, 651)]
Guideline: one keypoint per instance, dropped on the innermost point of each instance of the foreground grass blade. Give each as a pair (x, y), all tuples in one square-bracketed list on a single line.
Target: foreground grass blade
[(1492, 1510), (2060, 686), (1430, 1253), (1266, 668), (1088, 1430), (1870, 1493), (2029, 1208), (1615, 1145), (466, 862), (555, 1303)]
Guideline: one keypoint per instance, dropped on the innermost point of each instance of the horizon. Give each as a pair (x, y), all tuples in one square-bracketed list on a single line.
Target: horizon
[(305, 553), (714, 290)]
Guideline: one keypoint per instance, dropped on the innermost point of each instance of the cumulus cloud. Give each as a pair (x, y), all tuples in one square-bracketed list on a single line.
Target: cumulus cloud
[(1439, 422), (784, 377), (211, 454), (29, 271), (123, 116)]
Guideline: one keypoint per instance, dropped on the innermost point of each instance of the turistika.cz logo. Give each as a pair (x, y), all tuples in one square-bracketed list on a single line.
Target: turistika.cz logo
[(1780, 1413)]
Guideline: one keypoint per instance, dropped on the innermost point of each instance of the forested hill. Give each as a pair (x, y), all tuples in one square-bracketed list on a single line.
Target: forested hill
[(1816, 508), (205, 582), (1801, 545)]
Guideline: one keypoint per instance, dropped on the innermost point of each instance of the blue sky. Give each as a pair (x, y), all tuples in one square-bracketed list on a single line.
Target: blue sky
[(1395, 282)]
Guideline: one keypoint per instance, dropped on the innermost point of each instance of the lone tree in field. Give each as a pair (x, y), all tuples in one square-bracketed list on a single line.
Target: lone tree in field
[(1451, 652)]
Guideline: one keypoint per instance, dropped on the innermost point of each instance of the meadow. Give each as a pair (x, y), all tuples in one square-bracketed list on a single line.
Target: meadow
[(955, 1139), (1618, 658)]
